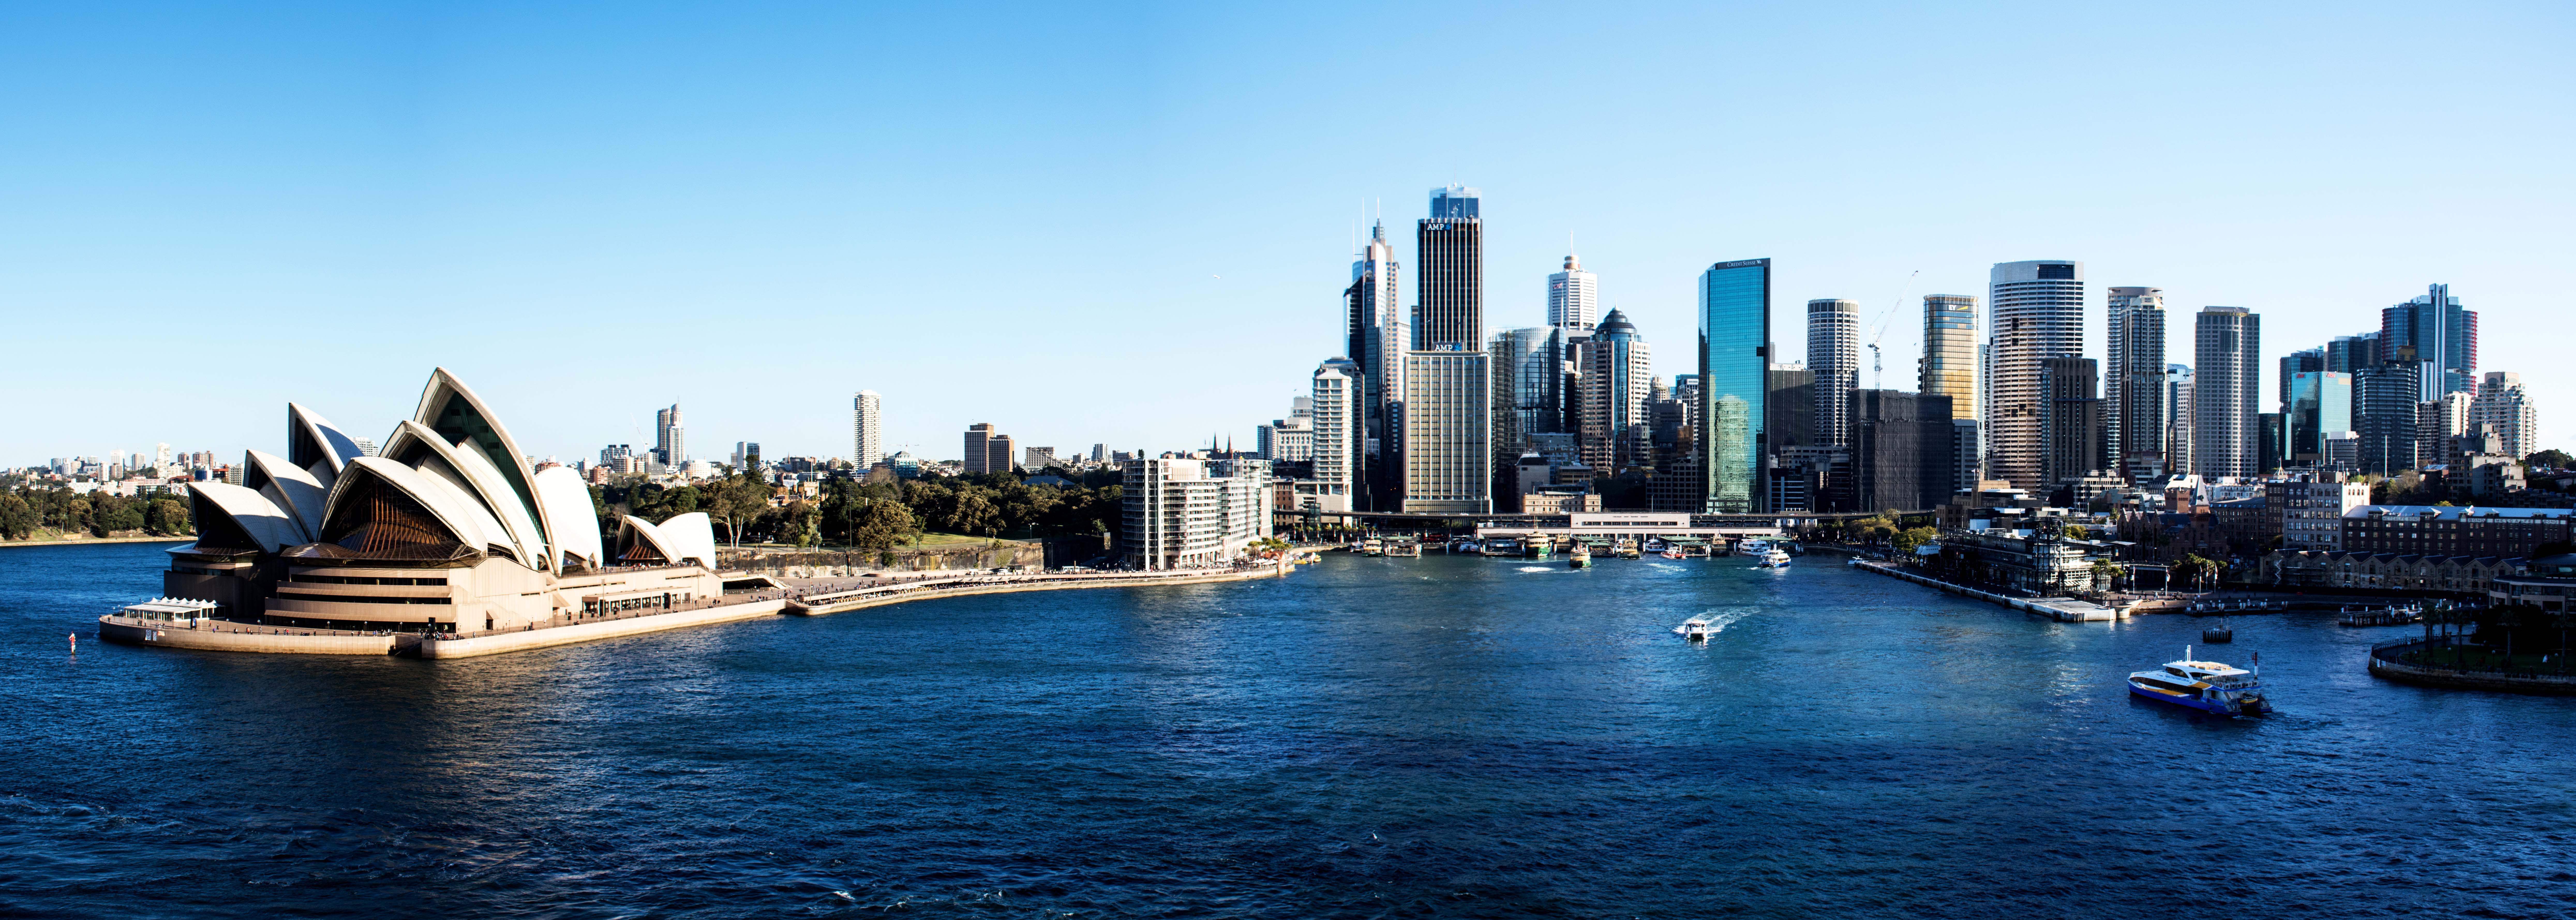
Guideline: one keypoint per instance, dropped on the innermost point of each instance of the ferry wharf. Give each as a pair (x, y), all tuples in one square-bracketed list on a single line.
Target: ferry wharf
[(2062, 609)]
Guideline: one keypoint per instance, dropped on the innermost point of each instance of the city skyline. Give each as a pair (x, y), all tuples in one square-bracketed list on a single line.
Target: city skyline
[(489, 187)]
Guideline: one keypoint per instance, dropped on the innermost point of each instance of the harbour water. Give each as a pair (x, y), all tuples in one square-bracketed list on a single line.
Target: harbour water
[(1366, 738)]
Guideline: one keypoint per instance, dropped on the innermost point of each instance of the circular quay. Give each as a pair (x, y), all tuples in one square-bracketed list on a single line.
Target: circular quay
[(854, 460)]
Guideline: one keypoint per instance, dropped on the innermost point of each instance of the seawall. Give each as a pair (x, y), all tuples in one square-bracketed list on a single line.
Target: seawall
[(966, 586), (813, 563), (498, 643)]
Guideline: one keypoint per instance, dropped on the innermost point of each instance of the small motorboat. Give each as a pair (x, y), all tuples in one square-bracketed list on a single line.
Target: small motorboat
[(2207, 686), (1698, 628), (1672, 552), (1775, 559)]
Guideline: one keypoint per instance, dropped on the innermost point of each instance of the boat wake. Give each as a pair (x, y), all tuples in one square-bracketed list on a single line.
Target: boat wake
[(1539, 568), (1718, 622), (1663, 566)]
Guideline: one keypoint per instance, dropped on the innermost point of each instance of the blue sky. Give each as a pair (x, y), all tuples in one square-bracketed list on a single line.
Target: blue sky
[(1130, 224)]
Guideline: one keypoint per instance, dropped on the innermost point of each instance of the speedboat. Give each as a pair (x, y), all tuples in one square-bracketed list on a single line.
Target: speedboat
[(1698, 628), (1774, 559), (1672, 552), (2207, 686)]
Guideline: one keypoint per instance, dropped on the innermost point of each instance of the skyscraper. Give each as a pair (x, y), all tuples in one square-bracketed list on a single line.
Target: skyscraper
[(1833, 353), (867, 436), (2133, 381), (2071, 436), (2304, 361), (978, 448), (1574, 298), (1529, 377), (2180, 418), (670, 440), (1448, 454), (2228, 396), (1377, 334), (1338, 426), (1901, 450), (2503, 403), (1949, 363), (2350, 354), (2035, 311), (2383, 405), (1449, 307), (2319, 406), (2436, 331), (1734, 364), (1618, 375), (1447, 446)]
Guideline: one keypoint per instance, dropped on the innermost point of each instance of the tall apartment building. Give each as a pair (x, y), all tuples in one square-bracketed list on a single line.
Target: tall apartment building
[(1574, 298), (2071, 424), (2435, 331), (2035, 311), (1833, 353), (867, 431), (2503, 403), (2133, 382), (2441, 423), (2228, 394), (1378, 334), (670, 440), (1448, 455), (2180, 419), (1949, 363), (1339, 427), (978, 452), (1734, 373), (1188, 513)]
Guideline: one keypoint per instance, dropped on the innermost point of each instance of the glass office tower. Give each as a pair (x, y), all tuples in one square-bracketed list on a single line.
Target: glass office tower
[(2320, 406), (1734, 361)]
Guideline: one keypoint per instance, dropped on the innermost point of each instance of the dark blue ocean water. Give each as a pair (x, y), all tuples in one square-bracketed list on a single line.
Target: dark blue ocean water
[(1369, 738)]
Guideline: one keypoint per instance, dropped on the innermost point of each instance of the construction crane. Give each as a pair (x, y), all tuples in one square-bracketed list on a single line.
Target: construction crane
[(1877, 374)]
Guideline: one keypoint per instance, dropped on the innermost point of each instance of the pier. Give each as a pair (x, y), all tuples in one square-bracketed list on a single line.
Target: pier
[(2062, 609)]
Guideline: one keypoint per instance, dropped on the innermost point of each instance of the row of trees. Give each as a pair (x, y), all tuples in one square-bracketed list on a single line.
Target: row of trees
[(877, 515), (30, 509)]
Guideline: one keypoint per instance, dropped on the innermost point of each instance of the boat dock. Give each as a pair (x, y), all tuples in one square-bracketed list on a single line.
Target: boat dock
[(2062, 609)]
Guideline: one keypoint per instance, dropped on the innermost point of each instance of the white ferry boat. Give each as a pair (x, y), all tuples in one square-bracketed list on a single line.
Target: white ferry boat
[(1753, 548), (1697, 629), (1775, 559), (1373, 547), (2207, 686)]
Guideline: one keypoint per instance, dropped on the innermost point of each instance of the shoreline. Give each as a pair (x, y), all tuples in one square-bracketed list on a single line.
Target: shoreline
[(89, 541)]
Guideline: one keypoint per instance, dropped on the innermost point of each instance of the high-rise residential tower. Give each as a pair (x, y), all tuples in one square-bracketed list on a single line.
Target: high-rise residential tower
[(867, 432), (2133, 381), (1734, 365), (2503, 403), (2179, 418), (1833, 353), (1338, 425), (2228, 391), (2437, 332), (1449, 278), (670, 440), (1377, 333), (1574, 298), (2034, 311), (1949, 363)]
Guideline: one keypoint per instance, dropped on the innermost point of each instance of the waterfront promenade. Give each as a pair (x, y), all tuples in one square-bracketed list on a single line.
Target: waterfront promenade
[(2062, 609)]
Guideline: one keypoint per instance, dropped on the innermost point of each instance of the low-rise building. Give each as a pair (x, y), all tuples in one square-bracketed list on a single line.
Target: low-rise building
[(2444, 530), (2548, 583), (2312, 509), (2039, 560), (2386, 571)]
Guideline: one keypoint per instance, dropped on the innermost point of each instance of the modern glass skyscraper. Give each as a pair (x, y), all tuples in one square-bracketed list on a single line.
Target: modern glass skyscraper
[(1949, 363), (2303, 361), (1734, 361), (1376, 339), (2035, 311), (2319, 406), (2440, 334), (867, 430), (2180, 418), (2133, 379), (2228, 398), (1833, 353), (670, 439), (1529, 398), (1449, 308), (1574, 298)]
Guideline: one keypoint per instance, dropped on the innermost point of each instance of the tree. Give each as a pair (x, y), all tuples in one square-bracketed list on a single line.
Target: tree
[(738, 501), (2552, 458), (974, 514), (1907, 540), (168, 516), (882, 525), (18, 518), (2077, 532)]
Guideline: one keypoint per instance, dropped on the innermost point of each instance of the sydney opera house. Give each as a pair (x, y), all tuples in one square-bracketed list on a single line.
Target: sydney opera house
[(449, 529)]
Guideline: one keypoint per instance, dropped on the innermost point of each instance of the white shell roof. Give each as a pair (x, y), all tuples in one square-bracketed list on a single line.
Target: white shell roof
[(465, 518), (258, 517), (565, 500), (296, 491)]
